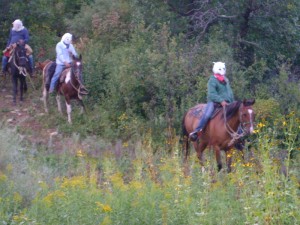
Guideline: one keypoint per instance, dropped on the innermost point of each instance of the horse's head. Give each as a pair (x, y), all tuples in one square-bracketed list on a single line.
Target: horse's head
[(77, 68), (247, 115), (20, 54)]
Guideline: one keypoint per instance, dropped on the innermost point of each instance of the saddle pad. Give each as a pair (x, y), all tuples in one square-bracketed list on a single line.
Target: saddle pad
[(197, 111)]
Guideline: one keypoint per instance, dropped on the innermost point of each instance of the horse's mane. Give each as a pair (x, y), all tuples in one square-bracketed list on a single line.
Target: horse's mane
[(231, 109)]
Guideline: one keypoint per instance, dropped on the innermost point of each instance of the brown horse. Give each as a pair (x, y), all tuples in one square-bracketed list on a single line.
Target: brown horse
[(221, 132), (39, 66), (69, 85)]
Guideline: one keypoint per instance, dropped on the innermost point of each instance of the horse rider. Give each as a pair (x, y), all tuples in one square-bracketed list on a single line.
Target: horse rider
[(64, 52), (218, 91), (17, 32)]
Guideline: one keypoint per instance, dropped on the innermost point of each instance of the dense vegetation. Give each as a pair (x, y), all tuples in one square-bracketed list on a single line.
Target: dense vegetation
[(149, 61), (145, 63)]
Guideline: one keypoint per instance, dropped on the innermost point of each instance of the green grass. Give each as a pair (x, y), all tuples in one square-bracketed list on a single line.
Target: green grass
[(125, 183)]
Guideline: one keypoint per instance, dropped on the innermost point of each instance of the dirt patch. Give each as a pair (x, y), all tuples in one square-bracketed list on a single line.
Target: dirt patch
[(27, 117)]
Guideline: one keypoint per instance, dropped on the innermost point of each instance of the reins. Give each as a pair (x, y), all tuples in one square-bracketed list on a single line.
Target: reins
[(81, 86), (22, 70), (234, 135)]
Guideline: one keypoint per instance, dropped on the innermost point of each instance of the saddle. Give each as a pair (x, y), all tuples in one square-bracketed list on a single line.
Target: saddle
[(8, 51), (198, 110), (49, 74)]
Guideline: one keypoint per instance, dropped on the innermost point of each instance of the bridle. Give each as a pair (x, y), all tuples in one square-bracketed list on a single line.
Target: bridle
[(22, 69), (77, 72), (234, 134)]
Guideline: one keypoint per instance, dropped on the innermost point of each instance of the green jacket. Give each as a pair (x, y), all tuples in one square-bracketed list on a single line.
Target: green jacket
[(218, 92)]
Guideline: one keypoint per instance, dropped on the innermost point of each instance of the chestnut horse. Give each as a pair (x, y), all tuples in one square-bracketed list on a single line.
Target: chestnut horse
[(69, 85), (221, 132), (18, 64)]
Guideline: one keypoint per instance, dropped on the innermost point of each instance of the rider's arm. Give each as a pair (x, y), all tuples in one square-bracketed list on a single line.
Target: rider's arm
[(72, 50), (9, 38), (26, 35)]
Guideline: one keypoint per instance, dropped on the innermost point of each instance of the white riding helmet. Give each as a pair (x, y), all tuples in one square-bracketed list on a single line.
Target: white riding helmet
[(219, 68), (67, 38), (17, 25)]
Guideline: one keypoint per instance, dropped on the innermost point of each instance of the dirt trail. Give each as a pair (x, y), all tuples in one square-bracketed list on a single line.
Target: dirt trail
[(27, 116)]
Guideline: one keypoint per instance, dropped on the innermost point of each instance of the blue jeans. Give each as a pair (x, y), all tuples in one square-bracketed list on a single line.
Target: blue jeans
[(31, 62), (206, 116), (5, 61), (58, 70)]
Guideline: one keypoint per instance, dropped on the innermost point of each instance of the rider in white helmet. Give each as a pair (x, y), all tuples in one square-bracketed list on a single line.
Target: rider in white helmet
[(64, 52), (218, 91), (17, 32)]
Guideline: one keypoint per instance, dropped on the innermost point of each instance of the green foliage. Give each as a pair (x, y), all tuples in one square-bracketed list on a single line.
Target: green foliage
[(288, 91), (266, 108)]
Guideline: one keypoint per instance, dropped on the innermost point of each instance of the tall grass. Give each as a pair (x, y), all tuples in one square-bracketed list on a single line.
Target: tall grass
[(130, 185)]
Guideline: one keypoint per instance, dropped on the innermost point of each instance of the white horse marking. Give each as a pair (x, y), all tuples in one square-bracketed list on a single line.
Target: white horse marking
[(68, 77), (250, 111)]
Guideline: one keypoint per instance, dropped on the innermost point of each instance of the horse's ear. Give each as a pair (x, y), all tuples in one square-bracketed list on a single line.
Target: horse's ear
[(248, 102)]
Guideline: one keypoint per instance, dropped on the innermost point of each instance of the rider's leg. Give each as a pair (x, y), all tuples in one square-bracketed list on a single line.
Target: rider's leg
[(4, 63), (204, 119), (59, 68)]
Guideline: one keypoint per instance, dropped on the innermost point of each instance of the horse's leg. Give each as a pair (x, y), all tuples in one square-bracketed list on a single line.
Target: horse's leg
[(22, 80), (45, 99), (186, 149), (200, 147), (25, 88), (58, 103), (82, 107), (218, 157), (69, 110), (15, 86), (229, 159)]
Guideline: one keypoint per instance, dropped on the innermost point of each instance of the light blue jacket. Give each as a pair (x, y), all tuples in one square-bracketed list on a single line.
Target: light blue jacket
[(63, 53)]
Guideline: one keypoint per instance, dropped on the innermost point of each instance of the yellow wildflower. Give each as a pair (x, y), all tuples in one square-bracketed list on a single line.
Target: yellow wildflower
[(255, 131), (2, 177), (125, 144), (136, 185), (17, 198), (74, 182), (80, 153), (104, 208), (48, 199), (117, 180)]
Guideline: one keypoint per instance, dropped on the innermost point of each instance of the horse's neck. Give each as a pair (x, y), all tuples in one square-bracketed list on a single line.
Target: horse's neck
[(74, 81), (234, 121)]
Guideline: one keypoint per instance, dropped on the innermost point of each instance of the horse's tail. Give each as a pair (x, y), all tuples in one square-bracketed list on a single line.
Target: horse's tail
[(185, 139)]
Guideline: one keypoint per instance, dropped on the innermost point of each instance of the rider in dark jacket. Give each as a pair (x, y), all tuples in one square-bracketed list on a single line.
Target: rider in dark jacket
[(218, 91)]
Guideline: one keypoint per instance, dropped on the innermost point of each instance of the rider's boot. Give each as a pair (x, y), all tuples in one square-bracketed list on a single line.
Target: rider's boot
[(195, 135)]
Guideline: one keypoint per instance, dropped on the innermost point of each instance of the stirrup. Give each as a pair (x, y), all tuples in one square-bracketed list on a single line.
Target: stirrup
[(195, 134)]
